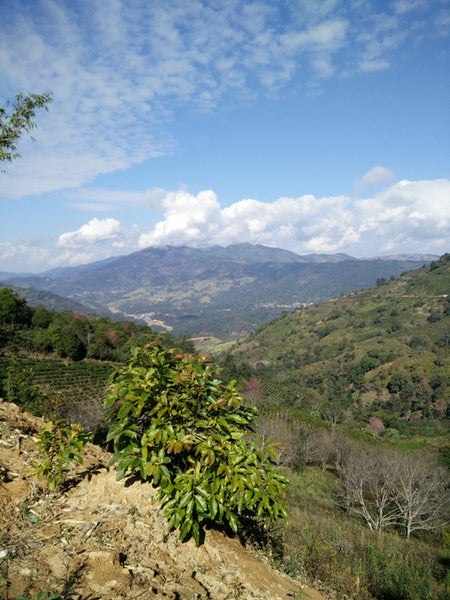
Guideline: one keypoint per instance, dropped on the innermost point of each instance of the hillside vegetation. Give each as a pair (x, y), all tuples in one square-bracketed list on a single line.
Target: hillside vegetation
[(357, 390), (380, 352), (58, 363)]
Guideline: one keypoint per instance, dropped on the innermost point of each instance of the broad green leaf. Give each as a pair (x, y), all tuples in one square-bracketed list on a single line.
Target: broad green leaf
[(190, 508), (232, 521), (196, 532), (185, 499), (185, 528), (213, 507), (201, 503), (201, 490), (124, 410)]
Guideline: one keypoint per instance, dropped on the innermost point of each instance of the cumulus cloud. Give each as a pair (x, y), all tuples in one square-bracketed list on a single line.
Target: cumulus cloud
[(401, 216), (187, 219), (94, 232), (407, 214), (404, 216)]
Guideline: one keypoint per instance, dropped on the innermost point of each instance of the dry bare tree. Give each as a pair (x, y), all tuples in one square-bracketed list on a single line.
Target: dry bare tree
[(367, 486), (394, 489), (286, 432), (421, 492)]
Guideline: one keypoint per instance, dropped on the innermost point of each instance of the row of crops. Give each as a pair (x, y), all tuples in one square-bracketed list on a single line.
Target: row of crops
[(55, 387)]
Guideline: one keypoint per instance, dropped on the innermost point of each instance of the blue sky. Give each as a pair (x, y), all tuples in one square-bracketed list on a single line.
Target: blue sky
[(315, 126)]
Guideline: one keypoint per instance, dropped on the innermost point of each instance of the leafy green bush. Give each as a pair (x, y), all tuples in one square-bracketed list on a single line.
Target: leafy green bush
[(61, 444), (174, 422), (14, 311)]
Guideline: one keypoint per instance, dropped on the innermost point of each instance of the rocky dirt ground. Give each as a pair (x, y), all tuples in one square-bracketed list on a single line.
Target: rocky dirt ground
[(105, 540)]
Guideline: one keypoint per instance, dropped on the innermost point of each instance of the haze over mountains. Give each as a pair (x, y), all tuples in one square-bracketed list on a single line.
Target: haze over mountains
[(220, 291)]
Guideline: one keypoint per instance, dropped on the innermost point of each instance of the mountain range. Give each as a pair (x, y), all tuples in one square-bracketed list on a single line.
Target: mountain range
[(220, 291)]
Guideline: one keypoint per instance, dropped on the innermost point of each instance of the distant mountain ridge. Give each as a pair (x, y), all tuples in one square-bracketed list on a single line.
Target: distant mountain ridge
[(52, 301), (221, 291)]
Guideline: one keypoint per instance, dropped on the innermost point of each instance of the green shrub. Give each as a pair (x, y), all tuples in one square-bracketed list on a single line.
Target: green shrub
[(61, 444), (175, 422)]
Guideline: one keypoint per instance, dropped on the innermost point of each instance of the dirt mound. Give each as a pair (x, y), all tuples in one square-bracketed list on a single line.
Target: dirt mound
[(105, 540)]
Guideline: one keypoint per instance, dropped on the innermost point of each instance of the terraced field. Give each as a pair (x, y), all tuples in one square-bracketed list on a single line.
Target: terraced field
[(75, 390)]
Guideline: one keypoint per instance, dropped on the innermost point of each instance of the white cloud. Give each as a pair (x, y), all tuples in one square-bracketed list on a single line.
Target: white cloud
[(120, 71), (374, 177), (188, 219), (406, 216), (92, 207), (31, 252), (404, 6), (370, 65), (100, 199), (94, 232), (442, 21), (403, 215)]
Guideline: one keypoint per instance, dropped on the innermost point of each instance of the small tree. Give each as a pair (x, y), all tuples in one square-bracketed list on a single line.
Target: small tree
[(14, 310), (176, 423), (20, 120), (62, 445)]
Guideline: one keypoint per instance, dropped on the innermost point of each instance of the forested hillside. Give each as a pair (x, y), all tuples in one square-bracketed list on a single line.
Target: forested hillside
[(36, 297), (58, 362)]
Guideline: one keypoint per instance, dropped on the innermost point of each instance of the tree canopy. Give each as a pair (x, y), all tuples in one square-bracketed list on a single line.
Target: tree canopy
[(18, 121), (14, 311)]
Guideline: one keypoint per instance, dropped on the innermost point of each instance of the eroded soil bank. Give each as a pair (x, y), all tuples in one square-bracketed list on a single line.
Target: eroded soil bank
[(103, 539)]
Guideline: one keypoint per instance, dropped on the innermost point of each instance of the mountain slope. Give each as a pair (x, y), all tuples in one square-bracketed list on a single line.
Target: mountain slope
[(381, 351), (226, 292)]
